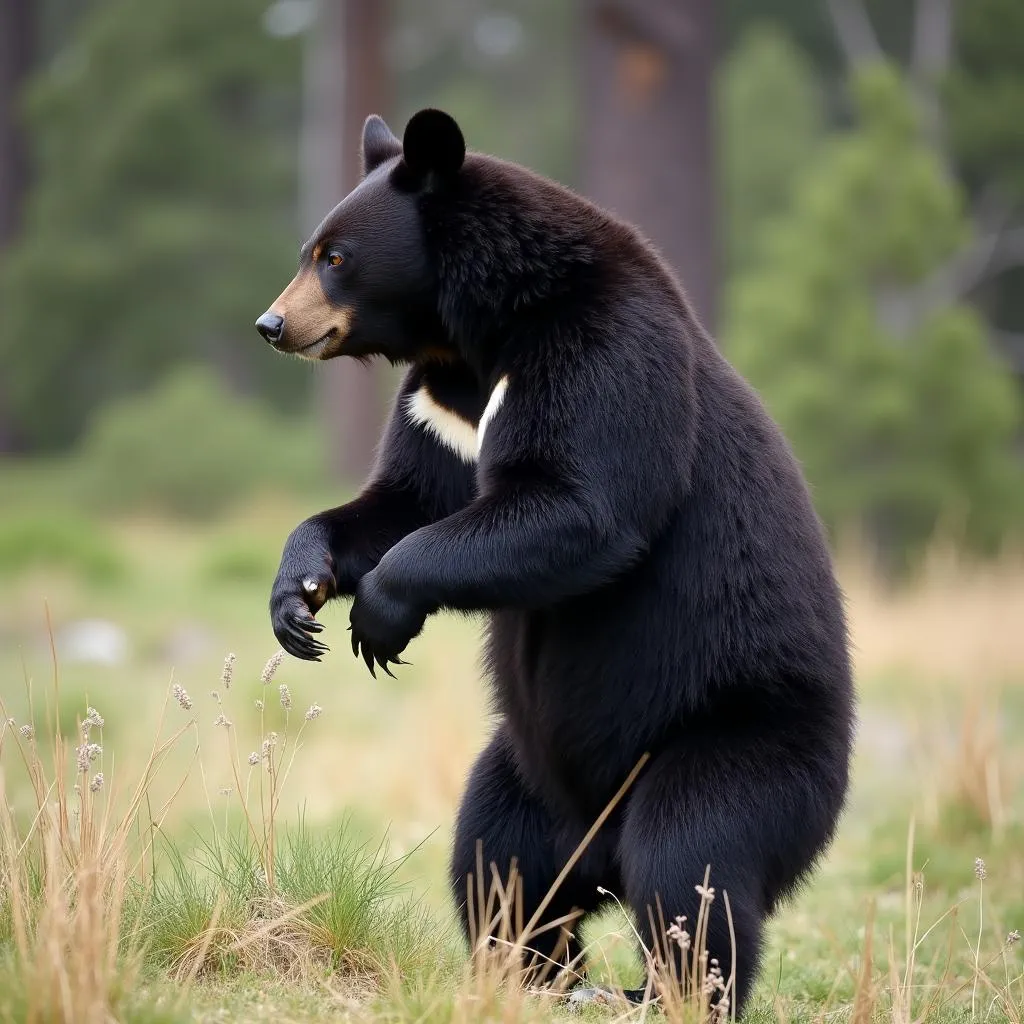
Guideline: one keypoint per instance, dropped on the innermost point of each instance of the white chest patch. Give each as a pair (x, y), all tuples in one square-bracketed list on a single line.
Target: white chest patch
[(491, 410), (455, 433), (451, 430)]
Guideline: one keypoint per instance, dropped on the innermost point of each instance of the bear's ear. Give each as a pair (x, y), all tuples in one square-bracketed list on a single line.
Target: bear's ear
[(433, 145), (379, 143)]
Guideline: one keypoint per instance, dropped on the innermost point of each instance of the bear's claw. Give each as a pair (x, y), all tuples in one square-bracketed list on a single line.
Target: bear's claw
[(294, 636)]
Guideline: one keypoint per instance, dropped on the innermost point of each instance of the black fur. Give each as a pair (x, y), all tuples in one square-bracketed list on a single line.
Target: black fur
[(640, 533), (433, 145), (379, 143)]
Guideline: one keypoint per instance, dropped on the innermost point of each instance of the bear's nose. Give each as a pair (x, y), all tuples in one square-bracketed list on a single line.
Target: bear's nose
[(271, 326)]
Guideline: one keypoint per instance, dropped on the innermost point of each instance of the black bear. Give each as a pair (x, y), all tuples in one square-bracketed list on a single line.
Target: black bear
[(570, 452)]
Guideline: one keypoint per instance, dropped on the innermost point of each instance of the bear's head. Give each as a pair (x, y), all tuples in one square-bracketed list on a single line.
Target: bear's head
[(365, 284)]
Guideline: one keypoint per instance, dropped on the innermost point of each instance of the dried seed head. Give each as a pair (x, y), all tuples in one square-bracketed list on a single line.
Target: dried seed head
[(221, 719), (215, 694), (97, 783), (1013, 937), (27, 732), (286, 697), (979, 869), (183, 699), (85, 755), (271, 667), (225, 791), (228, 672), (92, 718), (707, 893), (313, 711), (713, 981), (254, 758), (267, 748), (259, 705), (678, 934)]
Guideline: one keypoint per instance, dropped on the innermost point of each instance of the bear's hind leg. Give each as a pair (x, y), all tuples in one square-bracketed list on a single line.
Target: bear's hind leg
[(757, 818), (510, 824)]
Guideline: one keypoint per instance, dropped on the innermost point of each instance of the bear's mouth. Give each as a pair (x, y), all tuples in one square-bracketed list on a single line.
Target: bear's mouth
[(316, 349)]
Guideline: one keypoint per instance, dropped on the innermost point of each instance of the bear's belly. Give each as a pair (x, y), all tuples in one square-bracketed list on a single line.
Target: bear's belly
[(572, 715)]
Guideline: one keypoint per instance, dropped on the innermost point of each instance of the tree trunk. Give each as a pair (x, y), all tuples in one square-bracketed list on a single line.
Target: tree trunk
[(347, 79), (17, 46), (648, 152)]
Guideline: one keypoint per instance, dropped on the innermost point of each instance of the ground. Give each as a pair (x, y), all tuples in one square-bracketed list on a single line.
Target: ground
[(940, 670)]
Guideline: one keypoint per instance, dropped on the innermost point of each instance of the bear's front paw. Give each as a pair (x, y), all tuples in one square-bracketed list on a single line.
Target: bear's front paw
[(293, 602), (382, 624), (304, 584)]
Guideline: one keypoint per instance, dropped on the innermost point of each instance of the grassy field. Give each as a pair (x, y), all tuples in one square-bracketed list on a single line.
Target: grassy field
[(144, 897)]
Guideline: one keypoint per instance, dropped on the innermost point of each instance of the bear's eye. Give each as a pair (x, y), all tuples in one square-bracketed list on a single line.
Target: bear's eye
[(335, 259)]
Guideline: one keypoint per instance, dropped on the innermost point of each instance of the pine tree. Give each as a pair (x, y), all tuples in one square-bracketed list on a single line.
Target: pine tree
[(162, 217), (901, 416), (770, 122)]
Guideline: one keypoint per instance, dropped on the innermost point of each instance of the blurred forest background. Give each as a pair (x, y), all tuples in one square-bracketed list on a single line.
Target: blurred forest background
[(839, 182)]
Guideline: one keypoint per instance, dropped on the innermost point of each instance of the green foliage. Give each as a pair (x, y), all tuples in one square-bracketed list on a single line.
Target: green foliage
[(944, 850), (172, 918), (986, 92), (770, 124), (362, 921), (160, 219), (810, 26), (191, 448), (239, 562), (70, 543), (900, 431)]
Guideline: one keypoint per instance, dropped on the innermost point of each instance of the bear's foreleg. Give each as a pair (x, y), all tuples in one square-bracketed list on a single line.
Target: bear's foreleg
[(518, 547)]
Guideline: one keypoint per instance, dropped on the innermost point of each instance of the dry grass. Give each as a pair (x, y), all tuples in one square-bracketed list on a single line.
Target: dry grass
[(977, 772), (696, 990), (957, 622), (66, 876)]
